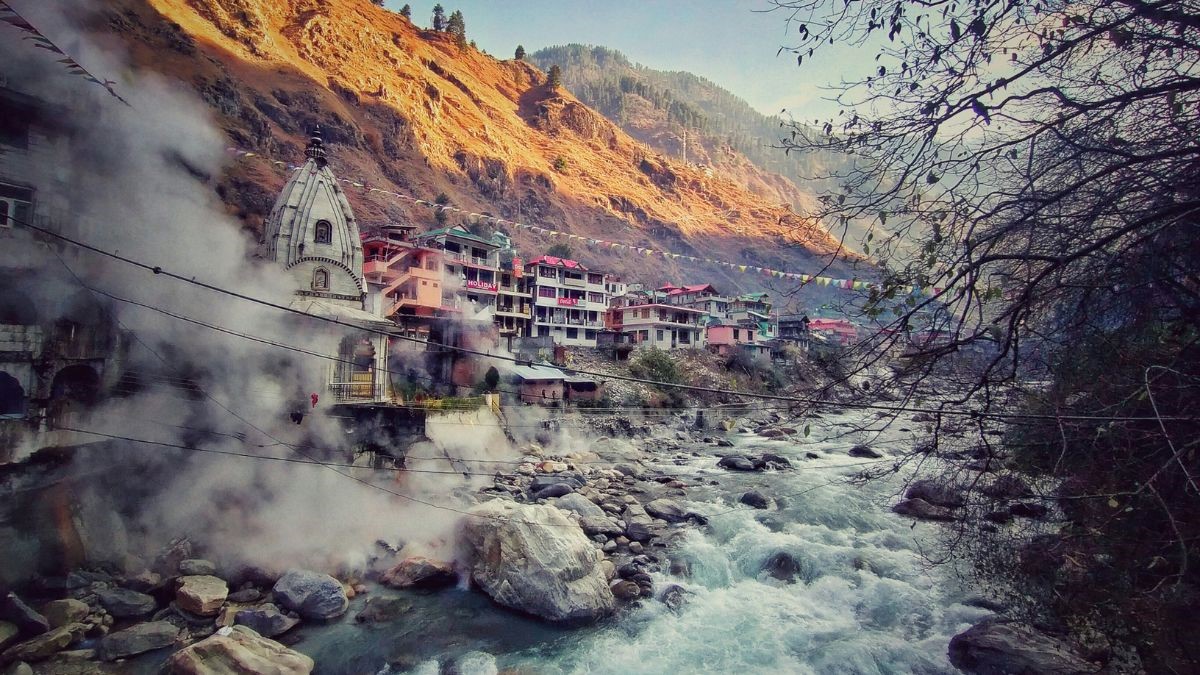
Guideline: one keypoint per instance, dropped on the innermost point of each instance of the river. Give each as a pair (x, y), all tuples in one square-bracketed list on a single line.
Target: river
[(865, 600)]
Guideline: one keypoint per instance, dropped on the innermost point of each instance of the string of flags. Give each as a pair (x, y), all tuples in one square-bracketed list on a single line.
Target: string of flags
[(10, 16), (826, 282)]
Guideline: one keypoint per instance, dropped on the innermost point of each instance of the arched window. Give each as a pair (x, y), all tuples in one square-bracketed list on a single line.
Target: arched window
[(12, 397), (320, 279), (324, 232)]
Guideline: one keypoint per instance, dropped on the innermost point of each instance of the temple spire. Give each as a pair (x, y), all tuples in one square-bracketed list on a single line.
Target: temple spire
[(316, 148)]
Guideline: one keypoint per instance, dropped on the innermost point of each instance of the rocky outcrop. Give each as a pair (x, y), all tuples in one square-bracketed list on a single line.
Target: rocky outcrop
[(312, 595), (737, 463), (935, 493), (201, 595), (138, 639), (755, 499), (14, 610), (238, 650), (998, 648), (534, 559), (420, 572), (43, 646)]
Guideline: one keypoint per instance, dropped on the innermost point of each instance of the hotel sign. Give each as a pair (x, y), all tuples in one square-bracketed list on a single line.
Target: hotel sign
[(481, 285), (568, 302)]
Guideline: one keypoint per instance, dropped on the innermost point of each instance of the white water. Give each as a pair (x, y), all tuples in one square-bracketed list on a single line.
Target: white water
[(865, 601)]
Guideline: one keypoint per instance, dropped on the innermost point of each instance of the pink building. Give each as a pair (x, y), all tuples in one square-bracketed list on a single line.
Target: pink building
[(839, 331), (724, 339)]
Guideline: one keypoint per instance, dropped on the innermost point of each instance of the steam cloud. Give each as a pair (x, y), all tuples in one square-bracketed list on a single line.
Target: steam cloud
[(140, 183)]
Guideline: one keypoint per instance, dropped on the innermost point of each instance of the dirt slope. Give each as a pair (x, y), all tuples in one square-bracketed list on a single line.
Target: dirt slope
[(406, 109)]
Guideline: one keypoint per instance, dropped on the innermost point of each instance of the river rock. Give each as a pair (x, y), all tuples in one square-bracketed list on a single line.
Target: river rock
[(737, 463), (420, 572), (45, 645), (201, 595), (473, 663), (865, 451), (579, 505), (923, 510), (1007, 487), (197, 567), (381, 609), (1028, 510), (625, 590), (126, 604), (771, 432), (138, 639), (551, 491), (602, 525), (266, 620), (782, 566), (62, 612), (666, 509), (245, 595), (935, 493), (724, 443), (674, 597), (534, 559), (999, 648), (239, 650), (310, 594), (19, 668), (755, 499), (14, 610), (640, 530)]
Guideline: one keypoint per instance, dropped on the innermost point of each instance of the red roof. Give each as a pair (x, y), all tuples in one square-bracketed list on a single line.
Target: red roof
[(556, 262), (695, 288)]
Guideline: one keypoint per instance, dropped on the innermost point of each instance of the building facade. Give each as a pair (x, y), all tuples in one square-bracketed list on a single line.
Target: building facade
[(569, 301)]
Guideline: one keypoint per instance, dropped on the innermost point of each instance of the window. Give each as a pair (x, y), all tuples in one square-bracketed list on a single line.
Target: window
[(646, 313), (424, 283), (597, 298), (547, 272), (543, 331), (595, 279), (590, 334), (643, 335), (16, 204), (323, 233), (659, 335), (546, 292), (737, 334), (572, 333), (320, 279)]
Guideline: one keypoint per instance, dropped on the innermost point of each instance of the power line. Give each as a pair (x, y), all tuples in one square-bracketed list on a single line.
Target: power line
[(158, 270)]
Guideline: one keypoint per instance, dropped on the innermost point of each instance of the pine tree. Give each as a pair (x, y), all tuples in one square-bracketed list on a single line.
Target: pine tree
[(457, 26), (378, 2), (554, 79), (406, 11), (439, 18), (520, 54)]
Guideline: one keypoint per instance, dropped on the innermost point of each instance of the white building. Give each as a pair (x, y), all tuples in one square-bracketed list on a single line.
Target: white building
[(313, 235), (569, 300), (654, 324)]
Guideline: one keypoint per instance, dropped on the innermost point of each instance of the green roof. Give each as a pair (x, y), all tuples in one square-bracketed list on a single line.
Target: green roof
[(457, 231)]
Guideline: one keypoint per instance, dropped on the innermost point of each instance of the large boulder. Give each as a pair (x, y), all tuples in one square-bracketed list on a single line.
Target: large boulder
[(138, 639), (62, 612), (534, 559), (196, 567), (310, 594), (126, 604), (420, 572), (202, 595), (938, 494), (998, 648), (601, 525), (380, 609), (923, 510), (755, 499), (238, 650), (266, 620), (1007, 486)]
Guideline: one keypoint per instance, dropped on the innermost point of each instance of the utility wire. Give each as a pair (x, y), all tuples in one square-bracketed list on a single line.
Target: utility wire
[(158, 270)]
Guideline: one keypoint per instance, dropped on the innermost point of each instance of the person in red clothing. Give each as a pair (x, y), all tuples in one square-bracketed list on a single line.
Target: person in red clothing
[(314, 399)]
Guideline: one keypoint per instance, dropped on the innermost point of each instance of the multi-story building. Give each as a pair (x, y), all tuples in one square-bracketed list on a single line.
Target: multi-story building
[(726, 338), (404, 280), (470, 266), (569, 300), (514, 308), (656, 324)]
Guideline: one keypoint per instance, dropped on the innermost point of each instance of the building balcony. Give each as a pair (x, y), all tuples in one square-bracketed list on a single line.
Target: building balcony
[(523, 312), (573, 283)]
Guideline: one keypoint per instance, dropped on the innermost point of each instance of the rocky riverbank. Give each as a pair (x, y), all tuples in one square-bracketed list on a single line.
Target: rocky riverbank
[(568, 538)]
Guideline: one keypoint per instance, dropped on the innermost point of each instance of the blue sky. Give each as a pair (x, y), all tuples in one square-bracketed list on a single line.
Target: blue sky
[(728, 42)]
